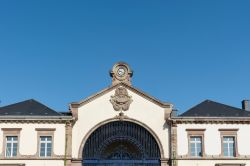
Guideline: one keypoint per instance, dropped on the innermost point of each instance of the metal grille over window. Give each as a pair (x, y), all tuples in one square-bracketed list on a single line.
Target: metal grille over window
[(45, 146), (11, 146), (121, 143)]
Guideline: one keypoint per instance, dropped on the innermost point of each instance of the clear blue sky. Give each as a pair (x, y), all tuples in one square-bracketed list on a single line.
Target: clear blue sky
[(181, 52)]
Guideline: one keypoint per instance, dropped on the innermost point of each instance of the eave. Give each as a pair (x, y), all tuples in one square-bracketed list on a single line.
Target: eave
[(211, 120), (35, 119)]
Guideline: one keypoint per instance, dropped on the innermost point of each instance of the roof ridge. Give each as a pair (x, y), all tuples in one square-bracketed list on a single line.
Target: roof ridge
[(227, 105), (30, 107), (18, 102)]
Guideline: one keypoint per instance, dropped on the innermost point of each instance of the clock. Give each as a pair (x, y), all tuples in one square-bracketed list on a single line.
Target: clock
[(121, 71)]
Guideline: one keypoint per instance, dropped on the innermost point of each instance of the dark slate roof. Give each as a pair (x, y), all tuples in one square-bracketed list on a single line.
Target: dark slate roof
[(210, 108), (27, 108)]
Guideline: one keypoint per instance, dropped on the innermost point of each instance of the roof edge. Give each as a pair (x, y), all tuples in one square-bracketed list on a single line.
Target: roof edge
[(108, 89), (36, 117), (211, 120)]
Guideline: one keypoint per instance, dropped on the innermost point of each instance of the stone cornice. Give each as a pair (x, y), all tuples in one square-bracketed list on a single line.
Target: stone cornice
[(32, 157), (215, 157), (35, 117), (42, 121), (211, 120)]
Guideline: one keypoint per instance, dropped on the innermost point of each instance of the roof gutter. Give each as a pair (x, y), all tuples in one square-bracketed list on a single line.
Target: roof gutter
[(35, 117)]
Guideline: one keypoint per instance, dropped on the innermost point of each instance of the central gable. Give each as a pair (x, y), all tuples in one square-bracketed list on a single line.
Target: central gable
[(101, 108), (120, 98)]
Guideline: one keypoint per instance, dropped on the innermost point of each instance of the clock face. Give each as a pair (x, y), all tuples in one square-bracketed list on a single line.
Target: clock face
[(121, 72)]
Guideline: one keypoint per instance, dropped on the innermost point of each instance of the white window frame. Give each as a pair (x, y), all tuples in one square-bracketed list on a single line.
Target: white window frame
[(46, 142), (228, 142), (196, 142), (12, 142)]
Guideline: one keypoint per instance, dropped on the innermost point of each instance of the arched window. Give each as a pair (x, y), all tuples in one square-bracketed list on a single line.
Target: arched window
[(121, 143)]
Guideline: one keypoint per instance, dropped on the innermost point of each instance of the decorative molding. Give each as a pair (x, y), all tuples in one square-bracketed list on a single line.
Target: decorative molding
[(45, 129), (211, 120), (229, 130), (121, 100), (121, 116), (39, 121), (24, 117), (17, 164), (195, 131), (33, 157), (213, 157), (15, 130), (228, 164)]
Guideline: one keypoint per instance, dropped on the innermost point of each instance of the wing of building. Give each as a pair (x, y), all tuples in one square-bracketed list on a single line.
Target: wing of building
[(122, 125)]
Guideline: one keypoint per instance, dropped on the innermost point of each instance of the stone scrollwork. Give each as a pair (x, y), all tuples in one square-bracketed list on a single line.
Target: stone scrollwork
[(121, 100)]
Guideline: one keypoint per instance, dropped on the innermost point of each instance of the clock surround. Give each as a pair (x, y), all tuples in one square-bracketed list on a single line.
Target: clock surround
[(121, 72)]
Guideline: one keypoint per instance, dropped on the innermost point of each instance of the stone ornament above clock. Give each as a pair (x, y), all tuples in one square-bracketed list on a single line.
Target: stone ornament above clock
[(121, 72)]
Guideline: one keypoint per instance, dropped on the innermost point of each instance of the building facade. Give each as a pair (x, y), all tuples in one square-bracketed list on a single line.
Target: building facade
[(122, 125)]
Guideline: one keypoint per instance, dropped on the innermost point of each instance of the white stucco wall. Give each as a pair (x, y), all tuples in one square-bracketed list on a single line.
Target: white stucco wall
[(212, 139), (211, 162), (101, 109), (28, 137), (34, 162)]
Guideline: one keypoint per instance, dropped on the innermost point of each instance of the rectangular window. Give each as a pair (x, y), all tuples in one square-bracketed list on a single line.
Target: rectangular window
[(229, 146), (11, 146), (45, 146), (196, 146)]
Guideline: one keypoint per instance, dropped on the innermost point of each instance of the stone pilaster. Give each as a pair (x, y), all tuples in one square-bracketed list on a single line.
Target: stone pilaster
[(173, 145), (68, 143)]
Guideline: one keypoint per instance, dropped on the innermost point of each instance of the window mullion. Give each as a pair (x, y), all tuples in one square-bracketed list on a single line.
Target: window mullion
[(195, 147), (11, 147), (46, 147)]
